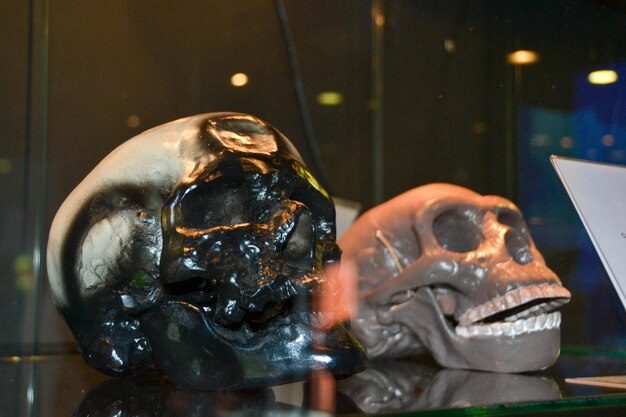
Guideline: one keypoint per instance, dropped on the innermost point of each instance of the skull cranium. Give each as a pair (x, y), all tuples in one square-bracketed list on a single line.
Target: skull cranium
[(195, 248), (445, 268)]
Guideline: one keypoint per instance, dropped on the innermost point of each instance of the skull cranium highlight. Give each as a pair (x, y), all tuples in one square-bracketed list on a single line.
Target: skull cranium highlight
[(196, 248), (444, 268)]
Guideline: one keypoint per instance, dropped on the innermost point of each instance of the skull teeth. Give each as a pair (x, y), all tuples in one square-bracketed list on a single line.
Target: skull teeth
[(514, 328), (542, 299)]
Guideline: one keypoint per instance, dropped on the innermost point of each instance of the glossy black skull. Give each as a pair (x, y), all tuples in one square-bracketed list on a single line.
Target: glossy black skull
[(197, 248)]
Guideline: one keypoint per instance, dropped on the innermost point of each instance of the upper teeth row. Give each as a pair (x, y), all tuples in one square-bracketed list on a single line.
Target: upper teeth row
[(515, 298), (532, 324)]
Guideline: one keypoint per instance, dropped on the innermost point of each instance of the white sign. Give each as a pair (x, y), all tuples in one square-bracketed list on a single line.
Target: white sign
[(598, 192)]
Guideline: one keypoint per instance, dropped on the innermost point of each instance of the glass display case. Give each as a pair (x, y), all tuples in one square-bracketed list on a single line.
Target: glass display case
[(379, 97)]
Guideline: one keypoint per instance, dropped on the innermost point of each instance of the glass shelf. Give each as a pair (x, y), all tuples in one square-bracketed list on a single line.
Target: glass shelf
[(62, 385)]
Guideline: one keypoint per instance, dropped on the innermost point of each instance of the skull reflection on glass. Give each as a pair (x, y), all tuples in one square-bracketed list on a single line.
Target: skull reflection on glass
[(196, 248), (443, 268)]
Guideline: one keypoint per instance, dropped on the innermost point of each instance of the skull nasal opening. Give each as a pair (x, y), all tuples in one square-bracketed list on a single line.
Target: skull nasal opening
[(298, 249), (458, 229)]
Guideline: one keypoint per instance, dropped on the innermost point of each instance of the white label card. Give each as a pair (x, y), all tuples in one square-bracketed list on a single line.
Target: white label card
[(598, 192)]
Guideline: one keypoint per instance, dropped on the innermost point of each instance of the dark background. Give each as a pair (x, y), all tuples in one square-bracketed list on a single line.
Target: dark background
[(443, 105)]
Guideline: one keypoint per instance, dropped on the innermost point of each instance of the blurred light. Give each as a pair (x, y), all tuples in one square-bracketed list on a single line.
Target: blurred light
[(23, 264), (608, 140), (522, 57), (602, 77), (23, 358), (449, 46), (5, 166), (239, 79), (133, 121), (23, 268), (329, 98), (540, 140), (567, 142), (379, 19), (479, 127)]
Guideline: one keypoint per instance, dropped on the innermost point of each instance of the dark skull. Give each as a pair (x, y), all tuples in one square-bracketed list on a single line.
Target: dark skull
[(443, 268), (197, 248)]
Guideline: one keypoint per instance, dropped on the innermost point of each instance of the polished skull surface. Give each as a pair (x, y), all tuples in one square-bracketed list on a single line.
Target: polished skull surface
[(389, 386), (443, 268), (198, 248)]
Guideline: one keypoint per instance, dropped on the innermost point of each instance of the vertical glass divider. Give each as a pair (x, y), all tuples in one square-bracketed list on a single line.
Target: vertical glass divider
[(378, 140), (36, 141)]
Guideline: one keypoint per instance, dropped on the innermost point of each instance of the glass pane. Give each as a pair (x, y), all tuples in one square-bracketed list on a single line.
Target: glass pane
[(144, 64), (563, 110), (379, 97), (15, 254)]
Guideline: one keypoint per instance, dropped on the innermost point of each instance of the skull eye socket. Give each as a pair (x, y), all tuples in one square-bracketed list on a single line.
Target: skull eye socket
[(225, 202), (513, 219), (458, 229), (298, 251)]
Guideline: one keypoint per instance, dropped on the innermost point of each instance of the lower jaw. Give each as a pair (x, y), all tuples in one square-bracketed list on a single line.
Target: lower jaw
[(194, 353), (523, 352)]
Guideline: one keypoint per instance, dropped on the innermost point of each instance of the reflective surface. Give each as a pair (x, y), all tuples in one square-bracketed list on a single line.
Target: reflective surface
[(434, 77), (198, 248), (64, 386)]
